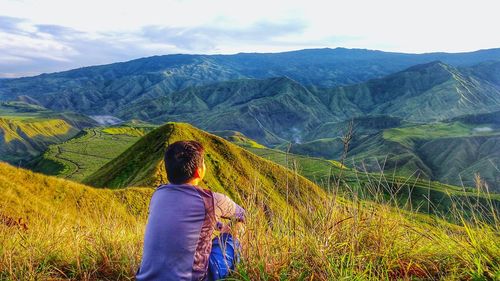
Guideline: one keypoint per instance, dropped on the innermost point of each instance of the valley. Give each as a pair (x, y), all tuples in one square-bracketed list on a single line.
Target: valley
[(352, 164), (79, 157), (285, 211)]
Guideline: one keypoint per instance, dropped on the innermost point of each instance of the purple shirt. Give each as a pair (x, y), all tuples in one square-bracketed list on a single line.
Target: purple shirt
[(178, 237)]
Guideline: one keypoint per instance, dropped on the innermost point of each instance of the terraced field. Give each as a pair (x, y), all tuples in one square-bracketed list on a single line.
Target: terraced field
[(81, 156)]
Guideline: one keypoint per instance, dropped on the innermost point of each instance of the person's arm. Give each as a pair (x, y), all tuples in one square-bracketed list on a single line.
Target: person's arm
[(227, 209)]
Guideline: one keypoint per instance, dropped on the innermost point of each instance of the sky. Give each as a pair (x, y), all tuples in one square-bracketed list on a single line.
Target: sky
[(38, 36)]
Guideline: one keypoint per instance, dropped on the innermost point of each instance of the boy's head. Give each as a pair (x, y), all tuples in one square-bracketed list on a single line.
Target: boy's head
[(184, 162)]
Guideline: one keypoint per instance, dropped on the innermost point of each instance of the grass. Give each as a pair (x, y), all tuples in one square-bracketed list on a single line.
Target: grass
[(27, 130), (23, 139), (407, 135), (70, 231), (83, 155), (77, 232), (418, 193), (230, 168), (56, 229), (141, 165)]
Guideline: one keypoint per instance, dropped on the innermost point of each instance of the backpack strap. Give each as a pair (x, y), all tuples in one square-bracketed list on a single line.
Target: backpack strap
[(202, 253)]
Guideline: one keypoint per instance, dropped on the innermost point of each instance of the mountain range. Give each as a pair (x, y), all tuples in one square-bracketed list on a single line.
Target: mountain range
[(305, 98), (265, 109), (104, 89), (54, 228)]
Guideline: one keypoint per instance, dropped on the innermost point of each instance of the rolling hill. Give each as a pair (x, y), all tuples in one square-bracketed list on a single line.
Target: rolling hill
[(68, 227), (320, 220), (405, 190), (276, 110), (270, 110), (87, 152), (449, 152), (57, 229), (27, 130), (421, 93), (231, 169)]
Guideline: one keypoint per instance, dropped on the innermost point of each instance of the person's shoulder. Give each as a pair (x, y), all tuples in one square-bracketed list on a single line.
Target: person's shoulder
[(204, 191), (162, 186)]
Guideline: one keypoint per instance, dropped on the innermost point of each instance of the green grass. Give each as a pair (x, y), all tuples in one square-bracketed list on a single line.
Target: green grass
[(26, 130), (230, 168), (407, 135), (81, 159), (54, 229), (22, 139), (83, 155), (406, 192)]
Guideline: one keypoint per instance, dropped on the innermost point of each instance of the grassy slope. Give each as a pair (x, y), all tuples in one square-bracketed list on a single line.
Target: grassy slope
[(81, 156), (453, 152), (23, 139), (71, 231), (231, 169), (84, 155), (450, 152), (26, 130), (407, 192)]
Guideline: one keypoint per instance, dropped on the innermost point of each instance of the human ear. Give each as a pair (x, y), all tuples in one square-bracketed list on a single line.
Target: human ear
[(197, 173), (201, 171)]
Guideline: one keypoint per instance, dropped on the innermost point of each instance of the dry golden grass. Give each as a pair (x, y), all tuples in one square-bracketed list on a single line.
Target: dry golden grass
[(75, 232)]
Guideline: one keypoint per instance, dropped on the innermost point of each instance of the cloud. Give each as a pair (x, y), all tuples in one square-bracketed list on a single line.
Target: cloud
[(10, 24), (52, 35), (28, 48), (208, 38)]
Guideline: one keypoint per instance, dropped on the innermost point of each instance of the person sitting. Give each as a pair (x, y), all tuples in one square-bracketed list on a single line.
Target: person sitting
[(178, 242)]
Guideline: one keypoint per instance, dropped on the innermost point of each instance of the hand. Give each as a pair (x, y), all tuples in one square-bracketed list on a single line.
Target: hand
[(234, 228)]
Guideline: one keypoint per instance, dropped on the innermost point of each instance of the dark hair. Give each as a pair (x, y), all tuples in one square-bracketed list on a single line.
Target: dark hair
[(182, 158)]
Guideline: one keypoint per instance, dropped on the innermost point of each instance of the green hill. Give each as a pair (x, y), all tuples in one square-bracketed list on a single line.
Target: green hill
[(231, 169), (56, 229), (410, 191), (276, 110), (262, 109), (450, 152), (27, 130), (87, 152), (423, 93)]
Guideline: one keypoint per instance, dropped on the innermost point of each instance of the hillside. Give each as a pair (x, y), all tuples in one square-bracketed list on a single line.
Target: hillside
[(261, 109), (231, 169), (407, 189), (56, 229), (87, 152), (449, 152), (421, 93), (27, 130)]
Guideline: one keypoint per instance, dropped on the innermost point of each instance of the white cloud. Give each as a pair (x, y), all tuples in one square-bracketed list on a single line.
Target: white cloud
[(55, 35)]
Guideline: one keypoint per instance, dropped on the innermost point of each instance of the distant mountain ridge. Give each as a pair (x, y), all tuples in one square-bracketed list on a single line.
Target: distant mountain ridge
[(304, 97), (271, 110), (102, 90), (422, 93), (274, 110)]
